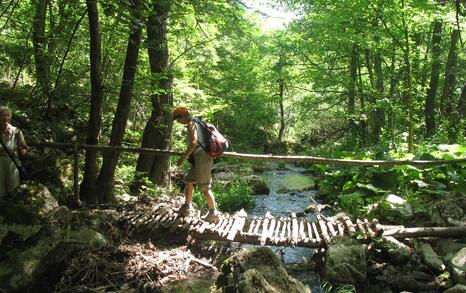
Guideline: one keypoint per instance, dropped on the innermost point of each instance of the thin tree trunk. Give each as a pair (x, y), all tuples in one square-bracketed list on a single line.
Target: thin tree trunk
[(40, 48), (281, 85), (379, 115), (434, 77), (105, 181), (407, 92), (447, 103), (462, 110), (88, 185), (157, 133), (353, 68), (362, 117), (392, 96)]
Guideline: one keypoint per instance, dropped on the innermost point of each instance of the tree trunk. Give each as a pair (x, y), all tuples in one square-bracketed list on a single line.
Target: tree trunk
[(379, 115), (281, 85), (40, 48), (434, 77), (462, 107), (446, 102), (157, 133), (105, 181), (407, 91), (352, 94), (88, 185), (362, 117)]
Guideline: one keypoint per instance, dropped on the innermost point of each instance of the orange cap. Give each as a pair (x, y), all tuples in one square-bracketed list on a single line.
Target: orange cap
[(180, 112)]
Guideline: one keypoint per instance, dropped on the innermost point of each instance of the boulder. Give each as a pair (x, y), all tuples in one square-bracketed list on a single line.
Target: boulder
[(30, 204), (257, 184), (400, 205), (458, 288), (450, 211), (458, 264), (345, 262), (429, 257), (256, 270)]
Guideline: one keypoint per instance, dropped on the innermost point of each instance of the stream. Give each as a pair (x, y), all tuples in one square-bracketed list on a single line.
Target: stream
[(290, 191)]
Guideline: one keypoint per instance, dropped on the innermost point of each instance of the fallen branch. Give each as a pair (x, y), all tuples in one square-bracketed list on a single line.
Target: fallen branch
[(454, 232)]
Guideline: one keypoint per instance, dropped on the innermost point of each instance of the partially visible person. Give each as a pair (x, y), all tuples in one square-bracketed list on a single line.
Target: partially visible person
[(13, 140), (200, 171)]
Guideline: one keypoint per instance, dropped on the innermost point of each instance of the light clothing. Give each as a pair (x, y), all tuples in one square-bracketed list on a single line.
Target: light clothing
[(200, 171), (13, 139)]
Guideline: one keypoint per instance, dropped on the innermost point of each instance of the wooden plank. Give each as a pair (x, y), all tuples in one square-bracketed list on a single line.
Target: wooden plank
[(341, 228), (309, 231), (271, 231), (288, 230), (349, 225), (294, 229), (283, 234), (316, 232), (367, 225), (323, 229), (223, 226), (251, 227), (376, 227), (265, 229), (302, 235), (276, 235), (258, 225), (331, 229), (223, 220), (226, 229), (240, 219), (361, 228)]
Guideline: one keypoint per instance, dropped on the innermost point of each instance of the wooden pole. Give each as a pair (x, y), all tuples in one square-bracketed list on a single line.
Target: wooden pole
[(75, 169), (309, 159)]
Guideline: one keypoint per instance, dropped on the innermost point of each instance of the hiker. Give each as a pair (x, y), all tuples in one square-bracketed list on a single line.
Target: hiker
[(13, 140), (200, 169)]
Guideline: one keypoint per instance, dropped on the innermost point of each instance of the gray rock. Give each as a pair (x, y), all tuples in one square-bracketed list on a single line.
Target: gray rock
[(429, 257), (345, 262), (256, 270), (458, 288), (450, 211), (257, 184), (458, 264)]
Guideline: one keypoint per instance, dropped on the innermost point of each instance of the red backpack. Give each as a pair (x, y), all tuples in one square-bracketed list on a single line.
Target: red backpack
[(210, 139)]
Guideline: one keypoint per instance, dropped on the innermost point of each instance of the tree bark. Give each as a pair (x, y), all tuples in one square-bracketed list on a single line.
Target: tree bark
[(281, 87), (407, 92), (447, 109), (157, 133), (353, 71), (88, 185), (105, 181), (379, 115), (40, 48), (434, 77)]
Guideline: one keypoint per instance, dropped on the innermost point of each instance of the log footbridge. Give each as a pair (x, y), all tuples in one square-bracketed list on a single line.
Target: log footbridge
[(277, 231)]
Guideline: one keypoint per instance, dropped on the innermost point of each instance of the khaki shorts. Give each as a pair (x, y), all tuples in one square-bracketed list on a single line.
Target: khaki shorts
[(201, 171)]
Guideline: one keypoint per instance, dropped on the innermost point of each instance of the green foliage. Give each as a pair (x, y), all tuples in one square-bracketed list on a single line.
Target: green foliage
[(357, 188), (231, 198)]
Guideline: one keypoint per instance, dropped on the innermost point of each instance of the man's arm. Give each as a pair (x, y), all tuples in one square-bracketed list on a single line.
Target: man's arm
[(192, 134)]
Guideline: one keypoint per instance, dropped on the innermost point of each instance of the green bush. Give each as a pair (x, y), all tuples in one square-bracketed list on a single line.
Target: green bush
[(231, 198)]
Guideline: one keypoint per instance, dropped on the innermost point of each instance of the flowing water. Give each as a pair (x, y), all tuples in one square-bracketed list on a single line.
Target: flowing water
[(290, 191)]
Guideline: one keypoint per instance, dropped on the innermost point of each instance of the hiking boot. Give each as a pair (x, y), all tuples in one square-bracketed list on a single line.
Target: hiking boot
[(212, 216), (185, 211)]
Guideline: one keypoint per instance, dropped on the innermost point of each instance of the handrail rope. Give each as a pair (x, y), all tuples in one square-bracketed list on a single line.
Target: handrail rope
[(309, 159)]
